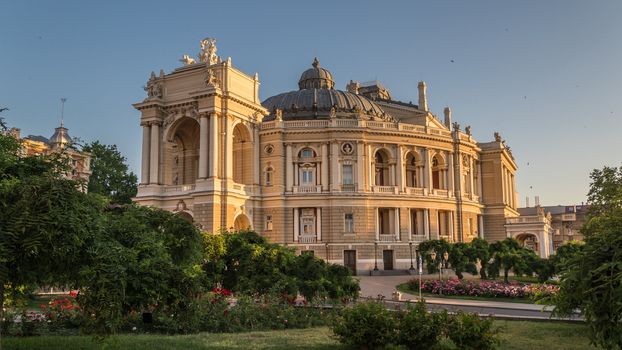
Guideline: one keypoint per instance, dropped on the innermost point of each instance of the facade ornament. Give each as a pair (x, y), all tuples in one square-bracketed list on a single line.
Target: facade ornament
[(208, 51), (181, 205), (468, 130), (353, 87), (498, 137), (187, 60), (211, 80), (333, 112), (347, 148), (153, 87), (278, 114)]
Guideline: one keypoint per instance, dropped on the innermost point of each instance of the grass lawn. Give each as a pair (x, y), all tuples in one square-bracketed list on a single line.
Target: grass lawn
[(405, 289), (515, 335)]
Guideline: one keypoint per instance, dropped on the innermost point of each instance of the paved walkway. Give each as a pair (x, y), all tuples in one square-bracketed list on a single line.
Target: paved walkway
[(374, 286)]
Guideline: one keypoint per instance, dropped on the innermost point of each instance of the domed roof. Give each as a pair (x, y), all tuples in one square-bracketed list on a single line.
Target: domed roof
[(317, 99), (60, 138), (316, 77)]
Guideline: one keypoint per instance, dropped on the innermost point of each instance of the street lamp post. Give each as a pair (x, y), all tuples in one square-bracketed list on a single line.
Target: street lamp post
[(412, 268), (375, 256), (420, 274), (433, 256)]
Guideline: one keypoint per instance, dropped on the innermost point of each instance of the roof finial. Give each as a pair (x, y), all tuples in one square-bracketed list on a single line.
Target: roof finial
[(62, 110), (316, 63)]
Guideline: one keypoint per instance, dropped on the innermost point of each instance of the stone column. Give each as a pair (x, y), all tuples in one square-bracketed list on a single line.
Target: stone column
[(400, 169), (318, 227), (334, 166), (427, 169), (426, 223), (324, 169), (203, 133), (288, 168), (296, 224), (370, 167), (397, 224), (257, 153), (228, 148), (471, 180), (480, 231), (360, 167), (296, 174), (213, 145), (479, 180), (154, 162), (451, 169), (144, 169), (450, 215)]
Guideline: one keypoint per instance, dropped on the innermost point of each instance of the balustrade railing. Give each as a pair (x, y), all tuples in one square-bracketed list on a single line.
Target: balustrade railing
[(307, 239), (386, 238), (307, 189), (385, 189)]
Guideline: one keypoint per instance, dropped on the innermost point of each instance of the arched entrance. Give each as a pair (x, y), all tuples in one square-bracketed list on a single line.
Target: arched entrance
[(241, 223), (184, 157), (242, 155), (185, 215), (530, 241)]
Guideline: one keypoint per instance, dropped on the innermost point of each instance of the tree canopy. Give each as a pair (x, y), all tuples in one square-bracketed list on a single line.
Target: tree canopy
[(110, 175), (591, 279)]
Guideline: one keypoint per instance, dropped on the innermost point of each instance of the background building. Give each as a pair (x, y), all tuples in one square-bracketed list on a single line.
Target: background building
[(354, 176), (565, 221), (80, 167)]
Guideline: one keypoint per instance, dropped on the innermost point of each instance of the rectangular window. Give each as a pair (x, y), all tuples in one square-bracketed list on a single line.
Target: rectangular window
[(307, 177), (413, 222), (347, 175), (268, 178), (349, 223), (269, 222)]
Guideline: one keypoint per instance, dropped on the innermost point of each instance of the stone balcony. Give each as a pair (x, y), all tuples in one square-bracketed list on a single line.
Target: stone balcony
[(307, 239), (367, 124), (385, 189), (307, 189), (387, 238)]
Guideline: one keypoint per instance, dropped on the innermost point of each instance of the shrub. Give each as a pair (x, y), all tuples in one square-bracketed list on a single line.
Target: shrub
[(419, 329), (367, 325), (470, 332)]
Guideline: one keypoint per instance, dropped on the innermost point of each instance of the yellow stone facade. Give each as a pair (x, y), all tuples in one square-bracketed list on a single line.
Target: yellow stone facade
[(354, 176)]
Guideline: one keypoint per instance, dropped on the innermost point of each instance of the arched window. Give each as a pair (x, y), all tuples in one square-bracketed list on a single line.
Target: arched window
[(411, 171), (381, 169), (184, 153), (438, 173), (307, 153), (242, 155), (268, 176), (307, 168)]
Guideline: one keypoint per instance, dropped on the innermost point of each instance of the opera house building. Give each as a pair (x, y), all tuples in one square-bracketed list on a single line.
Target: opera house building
[(350, 175)]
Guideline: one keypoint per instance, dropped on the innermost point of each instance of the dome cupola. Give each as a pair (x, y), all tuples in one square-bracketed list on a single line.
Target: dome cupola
[(316, 78)]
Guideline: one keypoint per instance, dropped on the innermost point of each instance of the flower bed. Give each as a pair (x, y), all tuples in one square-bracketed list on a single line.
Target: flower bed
[(488, 289)]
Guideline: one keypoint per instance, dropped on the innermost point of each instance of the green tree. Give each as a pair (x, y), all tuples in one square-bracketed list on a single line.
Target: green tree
[(481, 252), (110, 175), (144, 259), (45, 222), (439, 247), (591, 279), (462, 258), (509, 255), (246, 263)]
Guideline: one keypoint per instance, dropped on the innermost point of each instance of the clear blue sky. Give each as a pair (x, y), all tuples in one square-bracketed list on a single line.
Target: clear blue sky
[(545, 74)]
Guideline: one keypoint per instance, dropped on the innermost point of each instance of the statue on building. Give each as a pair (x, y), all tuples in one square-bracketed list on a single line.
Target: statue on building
[(211, 79), (153, 87), (208, 51), (353, 87), (468, 130), (187, 60), (498, 137), (456, 126)]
